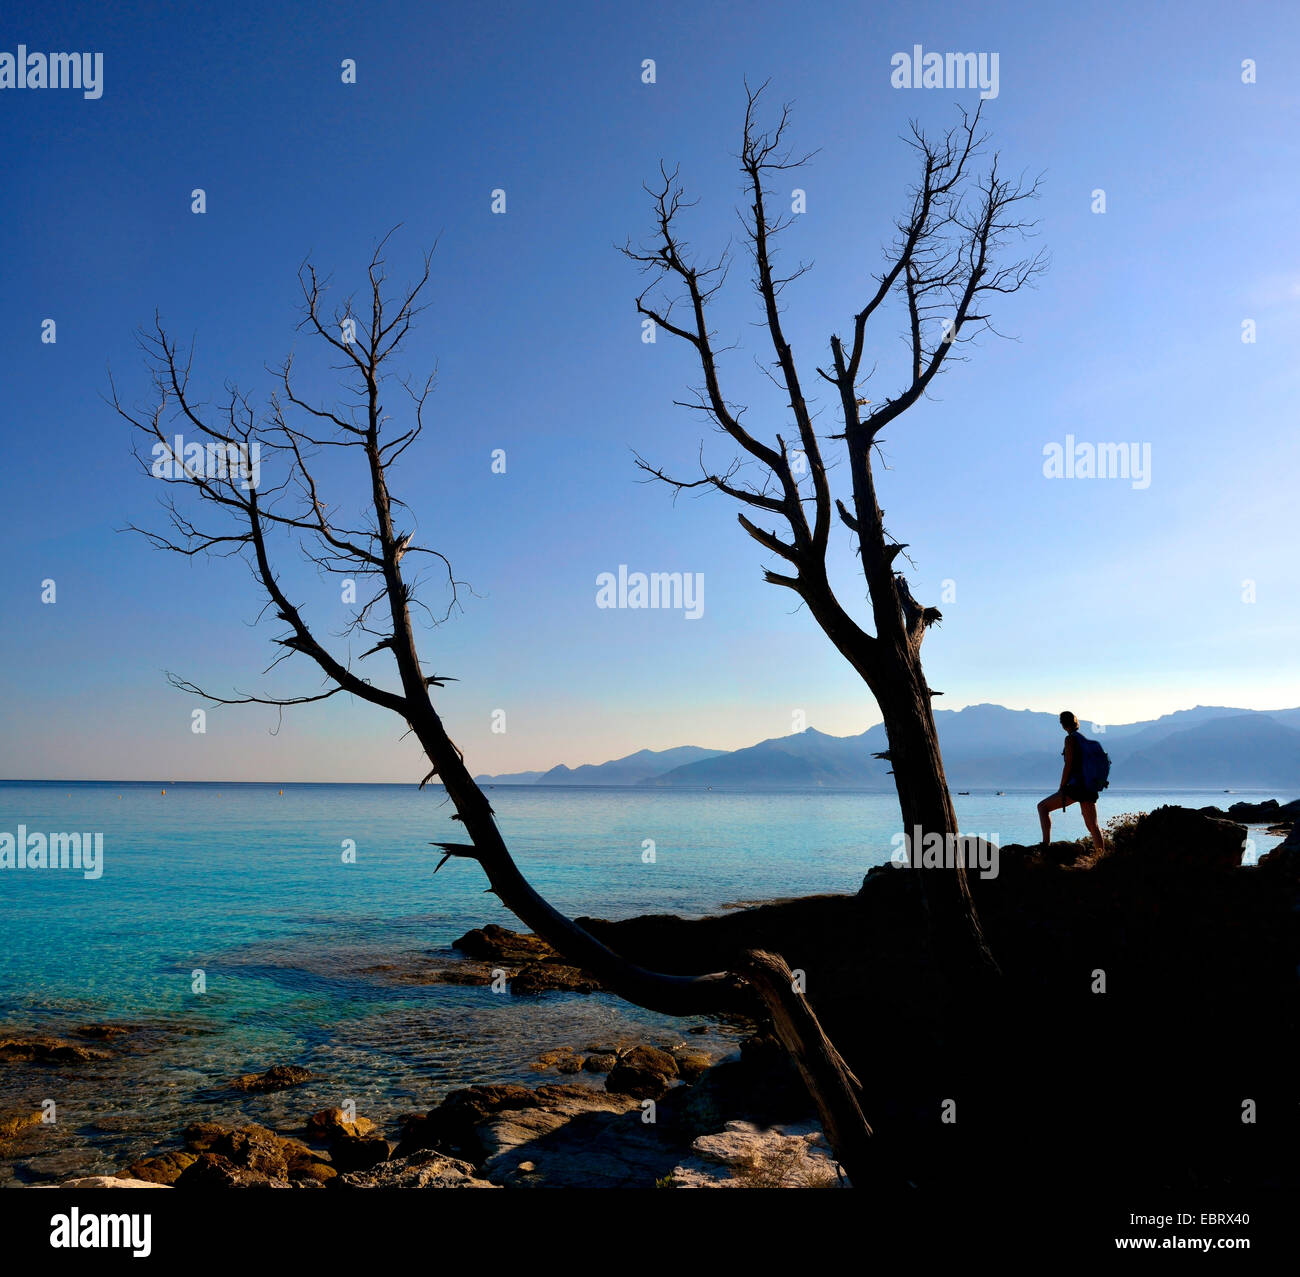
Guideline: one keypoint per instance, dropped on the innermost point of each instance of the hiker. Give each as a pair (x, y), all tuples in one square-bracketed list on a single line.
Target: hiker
[(1083, 776)]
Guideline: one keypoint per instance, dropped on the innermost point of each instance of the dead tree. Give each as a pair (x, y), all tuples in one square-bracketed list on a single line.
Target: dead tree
[(942, 269), (226, 515)]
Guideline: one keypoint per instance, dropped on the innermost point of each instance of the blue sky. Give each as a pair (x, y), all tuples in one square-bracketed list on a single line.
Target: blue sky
[(1120, 603)]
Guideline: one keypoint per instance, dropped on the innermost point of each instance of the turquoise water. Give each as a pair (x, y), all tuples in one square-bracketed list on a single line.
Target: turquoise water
[(302, 952)]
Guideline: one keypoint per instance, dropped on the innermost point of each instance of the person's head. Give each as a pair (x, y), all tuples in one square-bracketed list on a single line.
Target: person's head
[(1068, 721)]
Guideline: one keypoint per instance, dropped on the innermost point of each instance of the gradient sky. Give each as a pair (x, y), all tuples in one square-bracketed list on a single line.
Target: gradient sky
[(1120, 603)]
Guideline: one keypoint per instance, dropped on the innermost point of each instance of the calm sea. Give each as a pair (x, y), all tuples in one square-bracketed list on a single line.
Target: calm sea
[(303, 954)]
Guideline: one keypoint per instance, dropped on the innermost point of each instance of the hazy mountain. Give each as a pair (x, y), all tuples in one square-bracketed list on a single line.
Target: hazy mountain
[(511, 778), (809, 758), (1242, 751), (987, 747), (631, 770)]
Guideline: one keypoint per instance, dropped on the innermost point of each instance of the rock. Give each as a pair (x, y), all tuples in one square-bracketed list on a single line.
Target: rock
[(201, 1136), (600, 1063), (1180, 839), (1283, 862), (497, 944), (314, 1172), (245, 1156), (544, 977), (359, 1152), (214, 1170), (575, 1137), (58, 1164), (451, 1125), (43, 1049), (691, 1064), (278, 1078), (424, 1169), (563, 1060), (649, 1057), (642, 1084), (644, 1072), (330, 1124), (161, 1168), (1270, 811), (105, 1181), (762, 1158), (14, 1120)]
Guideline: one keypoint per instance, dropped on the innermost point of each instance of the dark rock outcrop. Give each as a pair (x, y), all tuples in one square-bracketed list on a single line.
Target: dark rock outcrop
[(543, 977)]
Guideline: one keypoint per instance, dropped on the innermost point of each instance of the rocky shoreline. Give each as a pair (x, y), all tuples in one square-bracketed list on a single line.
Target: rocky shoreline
[(622, 1113), (661, 1118)]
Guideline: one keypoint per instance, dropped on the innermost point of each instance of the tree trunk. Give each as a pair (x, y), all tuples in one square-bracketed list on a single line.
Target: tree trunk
[(829, 1080), (927, 808)]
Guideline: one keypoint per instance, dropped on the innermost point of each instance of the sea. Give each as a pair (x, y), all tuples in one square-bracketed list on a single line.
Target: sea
[(237, 926)]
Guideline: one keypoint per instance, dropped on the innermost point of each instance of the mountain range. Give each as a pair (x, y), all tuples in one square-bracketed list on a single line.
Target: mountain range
[(984, 746)]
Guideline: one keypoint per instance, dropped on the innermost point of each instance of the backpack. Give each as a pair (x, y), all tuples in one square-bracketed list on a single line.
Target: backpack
[(1095, 764)]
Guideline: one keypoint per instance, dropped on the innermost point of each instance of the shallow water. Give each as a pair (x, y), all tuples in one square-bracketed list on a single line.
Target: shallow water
[(247, 884)]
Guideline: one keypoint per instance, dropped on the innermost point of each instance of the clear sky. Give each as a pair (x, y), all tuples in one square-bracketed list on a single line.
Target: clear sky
[(1122, 603)]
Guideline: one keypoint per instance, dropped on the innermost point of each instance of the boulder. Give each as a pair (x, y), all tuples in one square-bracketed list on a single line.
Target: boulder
[(691, 1064), (451, 1125), (331, 1124), (649, 1057), (641, 1084), (1182, 840), (601, 1062), (161, 1168), (215, 1170), (244, 1156)]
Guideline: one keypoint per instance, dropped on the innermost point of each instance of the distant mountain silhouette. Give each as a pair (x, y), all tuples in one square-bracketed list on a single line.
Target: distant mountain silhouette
[(985, 746), (631, 770)]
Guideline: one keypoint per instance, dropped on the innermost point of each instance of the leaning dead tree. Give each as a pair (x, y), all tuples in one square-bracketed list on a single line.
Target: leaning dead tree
[(941, 272), (229, 511)]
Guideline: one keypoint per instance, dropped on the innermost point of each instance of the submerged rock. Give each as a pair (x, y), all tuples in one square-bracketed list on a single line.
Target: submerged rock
[(42, 1049), (278, 1078), (13, 1121)]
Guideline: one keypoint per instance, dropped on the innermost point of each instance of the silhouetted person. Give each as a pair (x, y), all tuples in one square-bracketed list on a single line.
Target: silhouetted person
[(1073, 789)]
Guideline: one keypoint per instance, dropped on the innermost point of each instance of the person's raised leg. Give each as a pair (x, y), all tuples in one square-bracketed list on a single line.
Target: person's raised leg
[(1089, 811), (1045, 809)]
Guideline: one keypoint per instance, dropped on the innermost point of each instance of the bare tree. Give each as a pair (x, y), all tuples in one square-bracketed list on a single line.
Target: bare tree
[(943, 266), (231, 516)]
